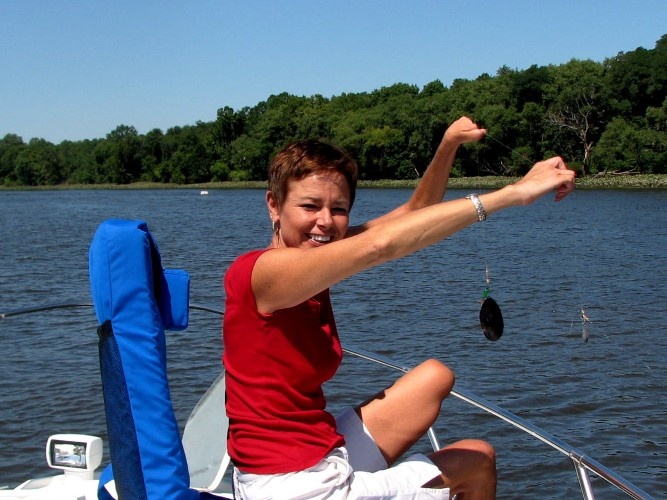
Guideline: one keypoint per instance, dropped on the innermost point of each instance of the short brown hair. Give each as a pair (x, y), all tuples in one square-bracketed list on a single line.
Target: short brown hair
[(300, 159)]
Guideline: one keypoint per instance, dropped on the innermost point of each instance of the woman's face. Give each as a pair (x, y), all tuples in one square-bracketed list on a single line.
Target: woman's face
[(315, 212)]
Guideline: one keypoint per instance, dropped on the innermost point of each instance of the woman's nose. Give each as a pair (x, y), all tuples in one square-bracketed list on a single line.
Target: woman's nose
[(324, 218)]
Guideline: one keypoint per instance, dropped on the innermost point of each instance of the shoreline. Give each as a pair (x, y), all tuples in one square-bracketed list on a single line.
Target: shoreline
[(611, 182)]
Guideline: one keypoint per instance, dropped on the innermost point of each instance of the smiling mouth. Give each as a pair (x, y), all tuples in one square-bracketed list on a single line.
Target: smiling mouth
[(320, 238)]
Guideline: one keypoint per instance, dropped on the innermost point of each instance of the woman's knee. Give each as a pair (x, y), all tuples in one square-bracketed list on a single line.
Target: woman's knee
[(465, 461), (437, 375), (481, 454), (481, 447)]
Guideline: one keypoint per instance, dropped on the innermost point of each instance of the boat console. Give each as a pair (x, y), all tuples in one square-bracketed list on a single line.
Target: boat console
[(78, 456)]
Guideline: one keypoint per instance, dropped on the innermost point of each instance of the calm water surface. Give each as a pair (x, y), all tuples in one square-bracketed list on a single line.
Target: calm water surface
[(603, 251)]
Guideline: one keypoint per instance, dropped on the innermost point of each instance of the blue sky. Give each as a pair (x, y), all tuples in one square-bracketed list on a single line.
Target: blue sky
[(76, 69)]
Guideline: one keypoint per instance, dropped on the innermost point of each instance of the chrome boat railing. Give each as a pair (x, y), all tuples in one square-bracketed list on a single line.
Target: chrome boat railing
[(581, 462)]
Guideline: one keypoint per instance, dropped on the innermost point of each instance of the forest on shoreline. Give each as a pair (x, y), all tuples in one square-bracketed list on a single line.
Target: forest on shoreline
[(607, 119), (595, 182)]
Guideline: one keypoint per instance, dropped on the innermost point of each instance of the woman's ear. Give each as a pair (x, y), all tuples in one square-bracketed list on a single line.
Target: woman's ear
[(271, 204)]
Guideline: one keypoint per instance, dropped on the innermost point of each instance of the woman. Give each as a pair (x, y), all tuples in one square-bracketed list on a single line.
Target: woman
[(281, 344)]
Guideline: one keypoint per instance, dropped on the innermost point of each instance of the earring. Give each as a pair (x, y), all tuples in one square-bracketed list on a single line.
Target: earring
[(275, 226)]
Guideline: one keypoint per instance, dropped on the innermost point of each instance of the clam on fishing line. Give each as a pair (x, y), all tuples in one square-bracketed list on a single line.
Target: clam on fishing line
[(490, 316), (491, 319)]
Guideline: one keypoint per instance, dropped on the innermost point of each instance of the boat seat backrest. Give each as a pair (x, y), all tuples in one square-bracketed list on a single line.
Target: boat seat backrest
[(135, 300)]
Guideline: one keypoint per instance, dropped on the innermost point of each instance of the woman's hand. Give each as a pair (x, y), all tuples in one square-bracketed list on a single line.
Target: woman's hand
[(463, 130), (546, 176)]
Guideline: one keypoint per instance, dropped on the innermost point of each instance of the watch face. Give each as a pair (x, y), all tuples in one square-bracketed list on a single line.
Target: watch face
[(491, 319)]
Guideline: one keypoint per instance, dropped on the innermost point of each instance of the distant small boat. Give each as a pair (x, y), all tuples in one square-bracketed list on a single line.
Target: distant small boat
[(203, 193)]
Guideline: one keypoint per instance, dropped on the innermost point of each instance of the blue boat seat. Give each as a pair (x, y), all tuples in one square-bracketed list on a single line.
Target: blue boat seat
[(135, 301)]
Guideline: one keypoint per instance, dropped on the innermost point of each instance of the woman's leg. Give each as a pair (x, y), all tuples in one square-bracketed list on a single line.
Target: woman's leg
[(398, 416)]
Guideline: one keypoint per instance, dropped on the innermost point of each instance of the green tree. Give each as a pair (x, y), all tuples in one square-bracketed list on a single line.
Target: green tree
[(152, 156), (278, 125), (10, 147), (431, 117), (396, 90), (656, 138), (656, 118), (578, 99), (348, 131), (118, 156), (381, 152), (249, 159), (433, 89), (621, 148), (228, 126), (191, 161), (314, 118), (78, 161), (528, 86), (38, 164), (638, 79)]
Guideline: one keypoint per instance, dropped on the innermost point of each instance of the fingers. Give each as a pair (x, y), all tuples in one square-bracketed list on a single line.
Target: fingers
[(546, 176), (471, 127), (473, 135), (566, 187), (464, 130), (567, 178), (557, 162), (555, 169)]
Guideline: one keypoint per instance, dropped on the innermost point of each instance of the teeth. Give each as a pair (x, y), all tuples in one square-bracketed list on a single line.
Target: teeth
[(321, 238)]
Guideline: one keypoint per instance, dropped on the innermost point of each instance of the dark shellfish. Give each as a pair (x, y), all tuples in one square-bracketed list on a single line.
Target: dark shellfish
[(491, 319)]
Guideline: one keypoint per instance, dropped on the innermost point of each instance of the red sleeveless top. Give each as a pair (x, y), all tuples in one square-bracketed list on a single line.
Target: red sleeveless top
[(275, 366)]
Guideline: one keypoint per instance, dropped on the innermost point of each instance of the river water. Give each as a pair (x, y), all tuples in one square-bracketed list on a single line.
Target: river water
[(604, 251)]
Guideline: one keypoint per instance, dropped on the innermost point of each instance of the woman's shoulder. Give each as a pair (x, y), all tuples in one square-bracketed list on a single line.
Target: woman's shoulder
[(252, 254), (246, 261)]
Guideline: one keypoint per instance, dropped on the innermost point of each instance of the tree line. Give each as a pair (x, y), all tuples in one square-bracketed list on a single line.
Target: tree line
[(602, 117)]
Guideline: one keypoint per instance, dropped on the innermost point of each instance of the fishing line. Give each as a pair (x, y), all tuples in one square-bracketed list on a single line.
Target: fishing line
[(490, 316), (523, 156), (582, 310), (583, 318), (586, 325)]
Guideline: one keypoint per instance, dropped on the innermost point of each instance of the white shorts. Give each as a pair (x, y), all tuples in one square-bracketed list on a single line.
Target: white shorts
[(356, 471)]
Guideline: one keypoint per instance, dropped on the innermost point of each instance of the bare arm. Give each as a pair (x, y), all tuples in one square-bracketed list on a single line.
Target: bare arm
[(433, 184), (285, 277)]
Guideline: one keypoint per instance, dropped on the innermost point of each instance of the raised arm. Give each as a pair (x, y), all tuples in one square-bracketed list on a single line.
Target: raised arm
[(285, 277), (432, 186)]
